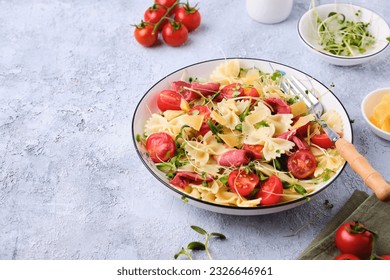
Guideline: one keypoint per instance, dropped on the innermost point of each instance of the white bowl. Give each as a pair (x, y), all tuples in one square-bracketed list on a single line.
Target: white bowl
[(378, 28), (147, 106), (367, 107)]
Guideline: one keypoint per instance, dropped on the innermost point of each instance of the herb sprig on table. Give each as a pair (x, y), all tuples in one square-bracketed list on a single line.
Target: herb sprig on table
[(199, 246)]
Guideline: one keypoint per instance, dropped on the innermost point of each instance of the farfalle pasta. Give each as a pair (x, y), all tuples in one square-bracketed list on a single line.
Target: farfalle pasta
[(238, 139)]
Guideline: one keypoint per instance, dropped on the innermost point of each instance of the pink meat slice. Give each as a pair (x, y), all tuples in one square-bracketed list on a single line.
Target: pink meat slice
[(236, 158), (183, 178), (279, 105), (291, 136), (206, 89)]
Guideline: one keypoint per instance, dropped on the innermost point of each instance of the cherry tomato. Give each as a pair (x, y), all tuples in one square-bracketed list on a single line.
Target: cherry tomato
[(154, 13), (302, 164), (346, 257), (257, 150), (252, 92), (384, 257), (270, 191), (189, 16), (169, 100), (174, 34), (200, 110), (167, 4), (351, 238), (160, 146), (322, 140), (144, 35), (232, 90), (242, 183)]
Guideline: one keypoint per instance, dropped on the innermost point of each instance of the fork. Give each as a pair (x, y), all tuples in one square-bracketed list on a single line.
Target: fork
[(372, 178)]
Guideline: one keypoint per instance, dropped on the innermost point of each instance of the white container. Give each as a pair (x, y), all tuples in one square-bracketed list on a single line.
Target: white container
[(367, 107), (307, 30), (269, 11)]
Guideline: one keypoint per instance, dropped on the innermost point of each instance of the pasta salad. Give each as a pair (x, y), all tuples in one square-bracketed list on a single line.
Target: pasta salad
[(238, 139)]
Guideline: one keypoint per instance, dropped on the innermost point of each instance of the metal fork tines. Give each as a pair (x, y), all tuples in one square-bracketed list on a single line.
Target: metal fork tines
[(294, 87)]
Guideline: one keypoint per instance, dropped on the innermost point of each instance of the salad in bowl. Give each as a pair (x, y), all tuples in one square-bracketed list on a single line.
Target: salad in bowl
[(225, 135)]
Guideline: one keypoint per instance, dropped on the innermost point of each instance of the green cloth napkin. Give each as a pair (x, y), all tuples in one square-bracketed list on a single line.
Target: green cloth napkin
[(373, 213)]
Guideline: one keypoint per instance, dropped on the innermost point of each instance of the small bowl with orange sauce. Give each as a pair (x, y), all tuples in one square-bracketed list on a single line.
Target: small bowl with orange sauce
[(376, 111)]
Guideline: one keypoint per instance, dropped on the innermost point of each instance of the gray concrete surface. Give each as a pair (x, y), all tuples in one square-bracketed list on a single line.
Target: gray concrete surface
[(71, 184)]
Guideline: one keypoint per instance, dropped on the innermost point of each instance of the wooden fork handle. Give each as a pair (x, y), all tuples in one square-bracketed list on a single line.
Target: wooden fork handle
[(372, 178)]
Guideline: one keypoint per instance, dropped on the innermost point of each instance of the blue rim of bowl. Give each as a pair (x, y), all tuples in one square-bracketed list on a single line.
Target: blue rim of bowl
[(307, 43), (248, 209)]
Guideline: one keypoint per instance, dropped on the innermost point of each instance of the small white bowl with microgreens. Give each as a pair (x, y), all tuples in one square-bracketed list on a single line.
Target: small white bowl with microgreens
[(344, 34)]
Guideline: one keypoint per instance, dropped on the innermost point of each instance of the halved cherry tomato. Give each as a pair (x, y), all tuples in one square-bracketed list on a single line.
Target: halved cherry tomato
[(154, 13), (251, 92), (160, 146), (169, 100), (242, 183), (257, 150), (189, 16), (144, 35), (352, 238), (232, 90), (322, 140), (174, 34), (346, 257), (270, 191), (302, 164), (200, 110)]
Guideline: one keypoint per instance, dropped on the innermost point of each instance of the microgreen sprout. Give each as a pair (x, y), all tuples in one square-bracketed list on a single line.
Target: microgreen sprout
[(199, 246), (343, 37)]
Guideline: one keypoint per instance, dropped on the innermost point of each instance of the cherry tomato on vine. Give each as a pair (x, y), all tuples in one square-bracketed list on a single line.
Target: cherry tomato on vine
[(174, 34), (154, 13), (242, 183), (144, 34), (189, 16), (353, 238), (270, 191), (346, 257), (169, 100), (322, 140), (384, 257), (167, 4), (302, 164), (160, 147)]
